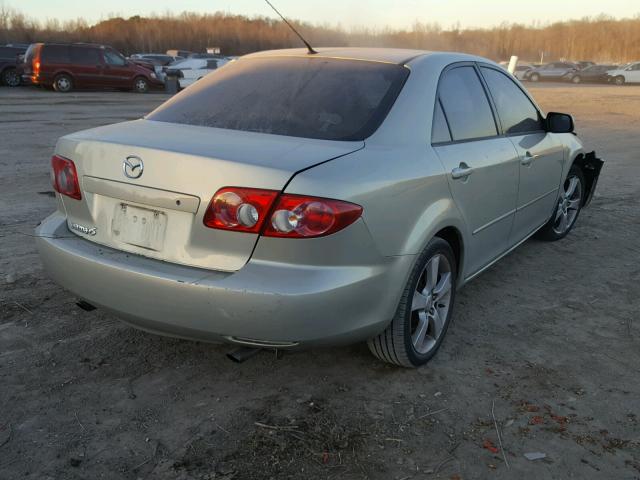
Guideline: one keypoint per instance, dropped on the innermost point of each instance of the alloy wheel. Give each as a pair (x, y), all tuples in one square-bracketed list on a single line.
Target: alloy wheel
[(568, 205), (12, 78), (431, 303)]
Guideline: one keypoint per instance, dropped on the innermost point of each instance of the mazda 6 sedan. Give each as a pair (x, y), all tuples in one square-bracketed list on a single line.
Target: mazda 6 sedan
[(291, 199)]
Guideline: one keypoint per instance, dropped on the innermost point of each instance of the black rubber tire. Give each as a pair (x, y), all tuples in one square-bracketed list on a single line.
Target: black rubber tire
[(394, 344), (547, 233), (63, 83), (619, 80), (534, 77), (137, 85), (11, 78)]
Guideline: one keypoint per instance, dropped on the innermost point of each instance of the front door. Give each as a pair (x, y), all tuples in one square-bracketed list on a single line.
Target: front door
[(540, 154), (117, 73), (482, 167)]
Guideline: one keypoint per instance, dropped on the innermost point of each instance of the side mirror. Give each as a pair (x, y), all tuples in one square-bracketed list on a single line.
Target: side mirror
[(559, 123)]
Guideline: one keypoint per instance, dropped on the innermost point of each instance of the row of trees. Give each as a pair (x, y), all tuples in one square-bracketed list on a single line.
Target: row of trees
[(601, 38)]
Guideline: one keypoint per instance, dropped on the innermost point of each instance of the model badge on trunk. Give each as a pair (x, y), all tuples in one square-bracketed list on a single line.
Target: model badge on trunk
[(133, 166), (86, 230)]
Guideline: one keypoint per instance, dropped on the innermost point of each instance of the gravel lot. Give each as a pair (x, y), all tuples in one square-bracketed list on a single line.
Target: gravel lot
[(549, 339)]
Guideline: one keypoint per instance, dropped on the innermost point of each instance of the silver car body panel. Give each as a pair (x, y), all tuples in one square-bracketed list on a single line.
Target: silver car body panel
[(219, 285)]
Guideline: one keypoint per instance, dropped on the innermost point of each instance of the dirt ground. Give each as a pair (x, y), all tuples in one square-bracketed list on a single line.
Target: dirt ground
[(549, 339)]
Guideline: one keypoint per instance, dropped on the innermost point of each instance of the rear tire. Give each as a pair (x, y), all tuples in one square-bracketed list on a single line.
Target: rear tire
[(534, 77), (567, 208), (140, 85), (420, 324), (63, 83), (11, 78)]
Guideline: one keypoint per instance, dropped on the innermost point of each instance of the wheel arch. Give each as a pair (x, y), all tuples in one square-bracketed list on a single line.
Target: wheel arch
[(453, 237)]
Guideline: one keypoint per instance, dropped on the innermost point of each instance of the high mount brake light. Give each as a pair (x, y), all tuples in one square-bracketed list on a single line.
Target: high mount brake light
[(252, 210), (65, 177)]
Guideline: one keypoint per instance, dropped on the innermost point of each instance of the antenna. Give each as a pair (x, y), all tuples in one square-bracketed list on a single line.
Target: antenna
[(309, 47)]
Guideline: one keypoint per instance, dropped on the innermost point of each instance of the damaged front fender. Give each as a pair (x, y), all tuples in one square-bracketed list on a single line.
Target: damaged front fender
[(591, 166)]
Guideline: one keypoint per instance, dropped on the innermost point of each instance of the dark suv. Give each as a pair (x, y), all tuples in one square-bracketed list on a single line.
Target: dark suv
[(8, 65), (69, 66)]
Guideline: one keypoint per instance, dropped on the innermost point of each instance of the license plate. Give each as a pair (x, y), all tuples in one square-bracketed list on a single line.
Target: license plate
[(139, 226)]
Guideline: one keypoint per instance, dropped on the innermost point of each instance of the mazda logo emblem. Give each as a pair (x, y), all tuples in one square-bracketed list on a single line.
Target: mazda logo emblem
[(133, 167)]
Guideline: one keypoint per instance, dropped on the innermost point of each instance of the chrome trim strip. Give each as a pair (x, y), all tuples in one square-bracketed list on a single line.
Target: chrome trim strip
[(260, 343), (536, 199), (494, 221), (499, 257)]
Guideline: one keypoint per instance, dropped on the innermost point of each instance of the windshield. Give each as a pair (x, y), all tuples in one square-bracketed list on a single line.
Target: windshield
[(312, 97)]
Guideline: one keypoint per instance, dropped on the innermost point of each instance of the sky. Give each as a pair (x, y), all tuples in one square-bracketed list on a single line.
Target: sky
[(346, 13)]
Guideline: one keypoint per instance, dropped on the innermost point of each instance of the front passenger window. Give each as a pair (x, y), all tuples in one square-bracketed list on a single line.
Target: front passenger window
[(517, 114)]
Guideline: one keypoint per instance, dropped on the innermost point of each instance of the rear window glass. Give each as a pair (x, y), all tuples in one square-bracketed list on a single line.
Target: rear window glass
[(466, 105), (322, 98), (10, 52), (55, 54)]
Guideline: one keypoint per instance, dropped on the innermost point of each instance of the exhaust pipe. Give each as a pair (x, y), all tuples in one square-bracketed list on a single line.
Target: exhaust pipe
[(241, 354)]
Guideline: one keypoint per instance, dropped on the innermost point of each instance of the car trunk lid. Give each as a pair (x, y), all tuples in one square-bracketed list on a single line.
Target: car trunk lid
[(159, 214)]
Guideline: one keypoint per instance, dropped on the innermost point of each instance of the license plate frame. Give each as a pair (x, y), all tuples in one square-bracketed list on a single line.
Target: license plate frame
[(141, 227)]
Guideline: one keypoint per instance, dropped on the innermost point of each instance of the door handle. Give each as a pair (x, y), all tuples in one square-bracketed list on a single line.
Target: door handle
[(528, 158), (463, 171)]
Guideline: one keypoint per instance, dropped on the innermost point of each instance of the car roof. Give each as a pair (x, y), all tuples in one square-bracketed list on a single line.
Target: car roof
[(398, 56)]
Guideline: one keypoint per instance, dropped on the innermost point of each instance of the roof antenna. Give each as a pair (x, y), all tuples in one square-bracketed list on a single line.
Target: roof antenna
[(309, 47)]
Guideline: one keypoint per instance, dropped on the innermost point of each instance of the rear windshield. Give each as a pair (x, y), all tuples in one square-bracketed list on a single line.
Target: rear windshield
[(322, 98)]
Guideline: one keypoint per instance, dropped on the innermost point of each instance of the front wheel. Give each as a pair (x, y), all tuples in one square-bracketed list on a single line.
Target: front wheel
[(576, 79), (534, 77), (567, 208), (423, 315), (141, 85), (619, 80), (11, 78)]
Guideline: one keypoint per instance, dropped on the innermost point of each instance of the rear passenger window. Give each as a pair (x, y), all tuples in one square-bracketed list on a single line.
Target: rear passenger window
[(440, 130), (465, 105), (85, 56), (55, 54), (516, 112)]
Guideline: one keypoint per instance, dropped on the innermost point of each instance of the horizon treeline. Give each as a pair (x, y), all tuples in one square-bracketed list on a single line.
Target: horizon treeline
[(601, 38)]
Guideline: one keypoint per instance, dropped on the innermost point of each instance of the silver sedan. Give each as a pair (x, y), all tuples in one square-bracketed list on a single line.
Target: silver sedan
[(292, 199)]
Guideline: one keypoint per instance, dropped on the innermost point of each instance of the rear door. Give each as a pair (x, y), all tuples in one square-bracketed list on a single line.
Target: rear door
[(541, 155), (87, 65), (482, 166)]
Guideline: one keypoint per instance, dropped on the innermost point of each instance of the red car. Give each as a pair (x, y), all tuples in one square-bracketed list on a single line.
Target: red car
[(82, 65)]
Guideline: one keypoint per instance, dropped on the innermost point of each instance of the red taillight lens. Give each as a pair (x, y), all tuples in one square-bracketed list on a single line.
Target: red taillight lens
[(294, 216), (239, 209), (65, 177), (299, 216)]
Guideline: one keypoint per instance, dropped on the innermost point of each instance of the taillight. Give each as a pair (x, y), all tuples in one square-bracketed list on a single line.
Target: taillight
[(299, 216), (293, 216), (65, 177), (239, 209)]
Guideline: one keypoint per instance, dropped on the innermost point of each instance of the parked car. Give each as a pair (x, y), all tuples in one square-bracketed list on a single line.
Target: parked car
[(584, 64), (290, 199), (593, 74), (629, 73), (191, 70), (521, 71), (156, 58), (551, 71), (79, 65), (179, 53), (9, 56)]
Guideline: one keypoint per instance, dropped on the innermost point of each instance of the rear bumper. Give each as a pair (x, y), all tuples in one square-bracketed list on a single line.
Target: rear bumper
[(264, 303)]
